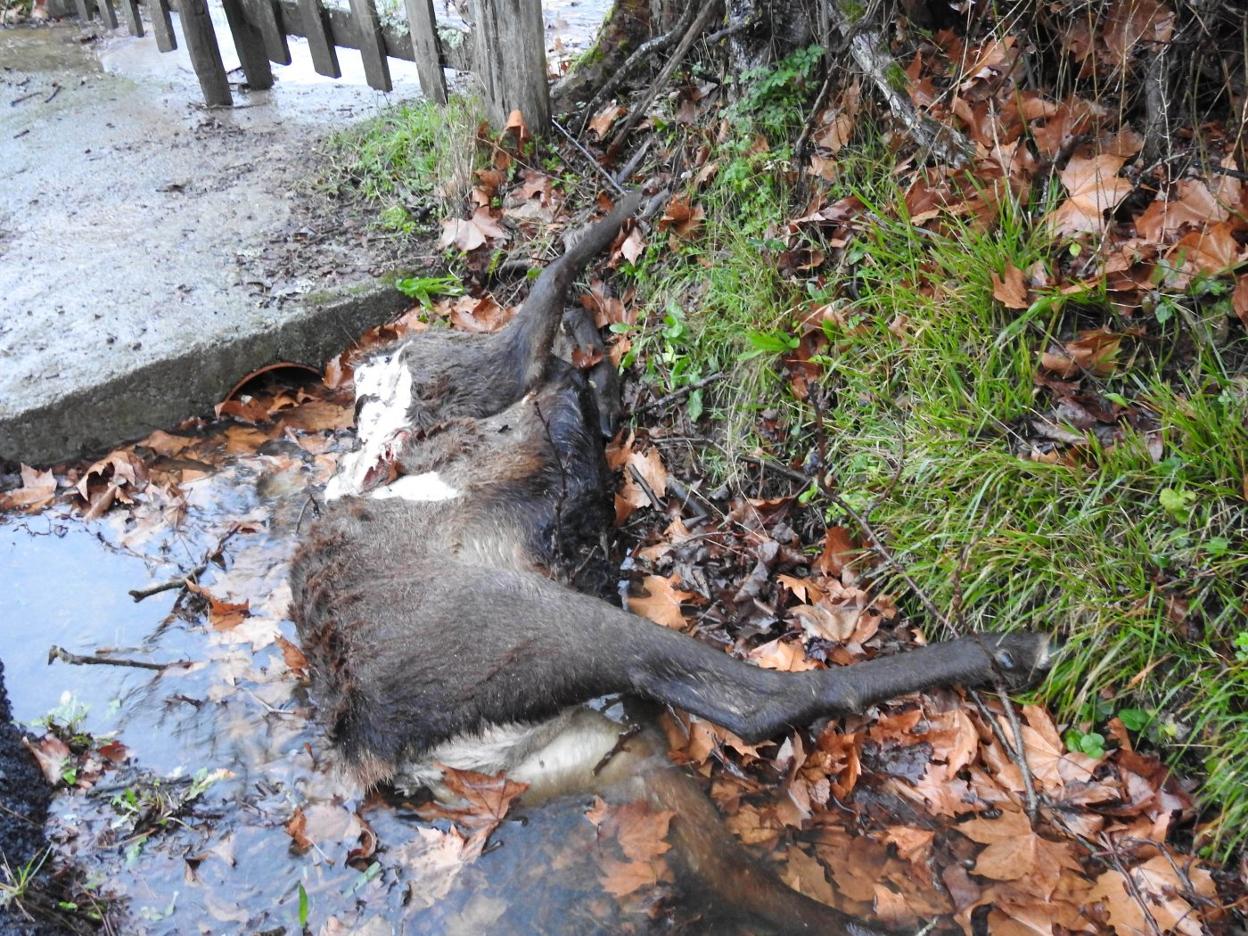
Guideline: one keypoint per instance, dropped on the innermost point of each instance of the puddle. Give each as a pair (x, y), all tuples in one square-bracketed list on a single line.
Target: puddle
[(269, 816)]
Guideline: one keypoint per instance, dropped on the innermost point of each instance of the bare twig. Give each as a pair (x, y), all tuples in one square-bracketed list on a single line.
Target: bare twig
[(639, 111), (646, 489), (1132, 887), (60, 653), (182, 581), (688, 499), (679, 394), (589, 157)]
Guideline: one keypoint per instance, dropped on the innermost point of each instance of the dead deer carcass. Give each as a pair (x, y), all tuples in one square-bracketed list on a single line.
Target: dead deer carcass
[(425, 601)]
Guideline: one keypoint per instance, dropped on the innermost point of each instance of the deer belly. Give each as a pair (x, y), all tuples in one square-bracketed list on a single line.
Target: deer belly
[(562, 755)]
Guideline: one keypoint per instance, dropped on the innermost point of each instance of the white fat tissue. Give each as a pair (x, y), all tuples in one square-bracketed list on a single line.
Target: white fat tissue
[(387, 383), (422, 487)]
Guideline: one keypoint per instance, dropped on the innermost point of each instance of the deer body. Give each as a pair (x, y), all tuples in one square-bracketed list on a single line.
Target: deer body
[(425, 599)]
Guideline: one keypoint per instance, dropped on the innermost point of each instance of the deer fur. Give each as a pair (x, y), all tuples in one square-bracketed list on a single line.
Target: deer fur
[(427, 603)]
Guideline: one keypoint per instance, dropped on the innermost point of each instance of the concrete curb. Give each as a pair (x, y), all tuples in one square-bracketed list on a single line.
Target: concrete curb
[(90, 419)]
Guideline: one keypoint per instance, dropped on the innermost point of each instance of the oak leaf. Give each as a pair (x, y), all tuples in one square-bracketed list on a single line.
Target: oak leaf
[(663, 601)]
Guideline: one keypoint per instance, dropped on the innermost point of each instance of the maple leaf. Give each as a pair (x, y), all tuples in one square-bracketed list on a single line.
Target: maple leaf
[(681, 218), (37, 491), (1094, 351), (51, 753), (1095, 188), (662, 602), (1010, 290), (1239, 299), (1209, 250)]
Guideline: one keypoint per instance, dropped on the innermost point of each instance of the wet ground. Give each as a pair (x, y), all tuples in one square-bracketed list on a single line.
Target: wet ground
[(136, 224)]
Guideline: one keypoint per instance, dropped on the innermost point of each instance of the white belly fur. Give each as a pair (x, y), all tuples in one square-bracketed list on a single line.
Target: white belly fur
[(386, 382), (552, 757)]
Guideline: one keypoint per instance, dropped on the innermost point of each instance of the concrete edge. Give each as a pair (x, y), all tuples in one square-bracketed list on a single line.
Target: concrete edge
[(94, 419)]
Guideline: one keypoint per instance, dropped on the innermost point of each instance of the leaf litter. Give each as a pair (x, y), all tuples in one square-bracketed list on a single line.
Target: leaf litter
[(914, 811)]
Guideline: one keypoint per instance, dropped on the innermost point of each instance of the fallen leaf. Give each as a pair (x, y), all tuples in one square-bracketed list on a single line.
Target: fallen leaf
[(1011, 290), (1095, 188), (605, 118), (37, 491), (662, 602)]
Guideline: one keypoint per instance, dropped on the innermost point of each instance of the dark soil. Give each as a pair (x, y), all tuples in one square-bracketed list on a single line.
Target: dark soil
[(24, 797)]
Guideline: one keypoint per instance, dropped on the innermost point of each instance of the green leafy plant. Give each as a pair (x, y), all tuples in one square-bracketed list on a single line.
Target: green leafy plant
[(424, 289)]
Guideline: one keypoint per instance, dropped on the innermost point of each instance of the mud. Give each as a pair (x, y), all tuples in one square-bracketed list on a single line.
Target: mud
[(24, 798)]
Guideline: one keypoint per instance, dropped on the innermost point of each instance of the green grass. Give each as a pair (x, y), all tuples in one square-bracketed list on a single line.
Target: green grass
[(1097, 552), (411, 161)]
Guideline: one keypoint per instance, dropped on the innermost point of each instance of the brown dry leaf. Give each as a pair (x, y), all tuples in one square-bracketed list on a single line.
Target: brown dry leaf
[(621, 878), (650, 467), (826, 621), (1239, 299), (50, 753), (517, 127), (641, 834), (662, 603), (1095, 188), (433, 859), (785, 655), (468, 235), (1010, 291), (486, 799), (1192, 205), (1094, 351), (1161, 889), (806, 875), (681, 218), (1131, 22), (1209, 250), (838, 551), (605, 118), (169, 446), (607, 310), (222, 615), (296, 662), (632, 246), (37, 491), (481, 315)]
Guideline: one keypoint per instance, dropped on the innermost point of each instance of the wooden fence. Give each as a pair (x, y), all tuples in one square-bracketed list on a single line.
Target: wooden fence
[(506, 48)]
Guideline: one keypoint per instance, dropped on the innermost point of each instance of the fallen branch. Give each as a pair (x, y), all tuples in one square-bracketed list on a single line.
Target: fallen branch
[(60, 653), (870, 52), (686, 42)]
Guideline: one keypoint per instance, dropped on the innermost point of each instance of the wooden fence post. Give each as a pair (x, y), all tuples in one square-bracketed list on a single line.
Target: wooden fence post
[(420, 23), (264, 14), (162, 24), (372, 46), (107, 13), (511, 61), (324, 55), (201, 43), (134, 22), (250, 46)]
